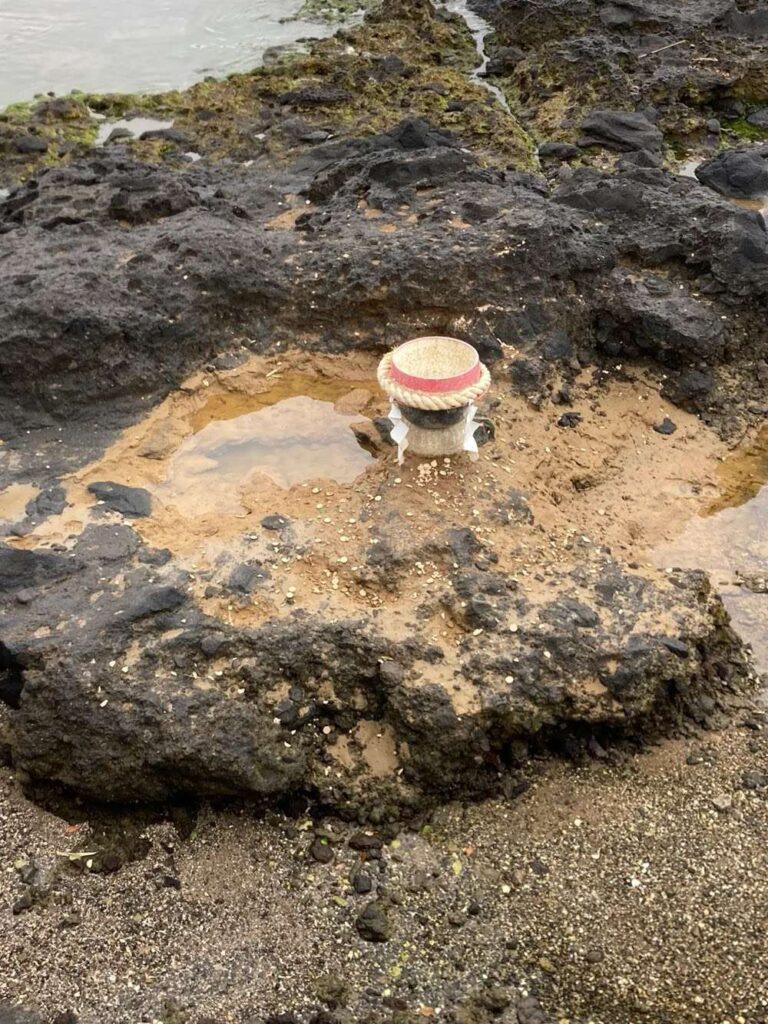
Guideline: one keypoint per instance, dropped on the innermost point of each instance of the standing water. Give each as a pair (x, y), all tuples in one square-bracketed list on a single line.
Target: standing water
[(730, 542), (145, 46), (480, 29)]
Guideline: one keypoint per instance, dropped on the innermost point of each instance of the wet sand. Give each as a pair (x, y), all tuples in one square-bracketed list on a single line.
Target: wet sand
[(630, 889)]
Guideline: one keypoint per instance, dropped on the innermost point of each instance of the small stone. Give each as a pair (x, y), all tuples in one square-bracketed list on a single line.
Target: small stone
[(595, 956), (373, 924), (384, 425), (666, 427), (25, 596), (321, 851), (754, 780), (134, 502), (332, 990), (391, 674), (496, 999), (230, 360), (275, 522), (211, 645), (247, 577), (118, 135), (153, 601), (362, 883), (30, 144), (485, 432), (546, 965), (364, 842), (596, 750), (71, 920), (676, 646), (529, 1011), (154, 556), (570, 419), (50, 502), (175, 135), (759, 118), (558, 151), (23, 903), (722, 802)]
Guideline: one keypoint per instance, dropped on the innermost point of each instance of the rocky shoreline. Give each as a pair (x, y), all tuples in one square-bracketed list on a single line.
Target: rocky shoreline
[(426, 634)]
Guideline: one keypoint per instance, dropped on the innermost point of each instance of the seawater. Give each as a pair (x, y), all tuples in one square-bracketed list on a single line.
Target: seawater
[(144, 46)]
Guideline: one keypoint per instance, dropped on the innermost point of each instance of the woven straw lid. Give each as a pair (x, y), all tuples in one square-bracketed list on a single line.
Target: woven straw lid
[(434, 373)]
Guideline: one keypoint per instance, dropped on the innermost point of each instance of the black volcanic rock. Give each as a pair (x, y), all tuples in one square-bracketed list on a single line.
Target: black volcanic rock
[(742, 175), (133, 502), (620, 130)]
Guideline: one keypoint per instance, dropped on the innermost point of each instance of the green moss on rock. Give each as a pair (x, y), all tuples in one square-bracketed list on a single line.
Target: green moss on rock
[(405, 60), (334, 10), (61, 125), (745, 130)]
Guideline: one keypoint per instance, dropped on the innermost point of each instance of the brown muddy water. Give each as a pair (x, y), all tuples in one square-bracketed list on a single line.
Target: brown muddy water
[(730, 542), (14, 500), (290, 440)]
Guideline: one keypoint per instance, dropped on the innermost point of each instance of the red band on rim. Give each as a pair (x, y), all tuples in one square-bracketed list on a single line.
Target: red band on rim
[(436, 385)]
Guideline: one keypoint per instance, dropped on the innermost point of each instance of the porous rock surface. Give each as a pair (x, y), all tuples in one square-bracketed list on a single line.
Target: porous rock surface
[(136, 695), (194, 265)]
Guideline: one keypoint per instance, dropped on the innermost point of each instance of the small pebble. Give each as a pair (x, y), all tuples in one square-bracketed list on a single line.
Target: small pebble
[(666, 427)]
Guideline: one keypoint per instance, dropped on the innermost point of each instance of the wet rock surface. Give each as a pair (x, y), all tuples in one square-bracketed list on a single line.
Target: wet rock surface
[(742, 175), (128, 501), (479, 907), (349, 245), (165, 307), (621, 131)]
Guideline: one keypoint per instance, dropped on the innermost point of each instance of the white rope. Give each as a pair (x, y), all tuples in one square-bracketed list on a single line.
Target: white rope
[(428, 400)]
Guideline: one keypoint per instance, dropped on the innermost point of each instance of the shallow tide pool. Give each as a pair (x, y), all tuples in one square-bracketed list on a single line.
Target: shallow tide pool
[(730, 542)]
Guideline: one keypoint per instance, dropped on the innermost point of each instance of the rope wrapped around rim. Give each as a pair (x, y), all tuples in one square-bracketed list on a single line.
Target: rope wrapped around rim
[(431, 402)]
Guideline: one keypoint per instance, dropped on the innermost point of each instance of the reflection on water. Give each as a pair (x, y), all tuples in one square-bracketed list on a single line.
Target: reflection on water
[(730, 542), (13, 502), (687, 169), (145, 46), (289, 440)]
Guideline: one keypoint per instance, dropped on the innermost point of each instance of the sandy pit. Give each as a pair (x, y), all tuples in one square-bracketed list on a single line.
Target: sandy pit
[(218, 458), (610, 477)]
